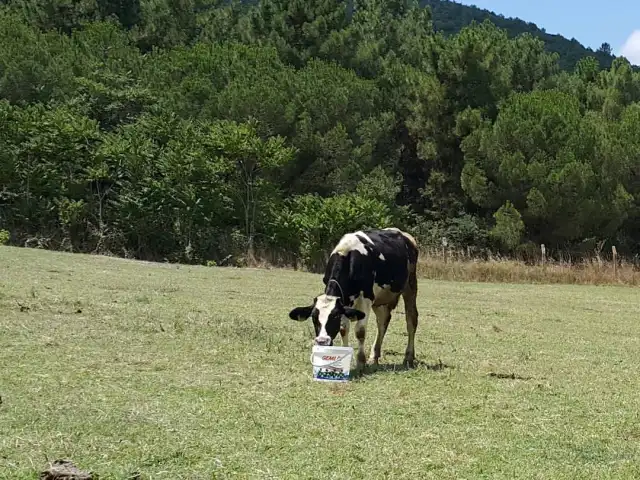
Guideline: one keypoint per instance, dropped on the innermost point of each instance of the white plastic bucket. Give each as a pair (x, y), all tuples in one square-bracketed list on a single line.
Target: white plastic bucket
[(331, 364)]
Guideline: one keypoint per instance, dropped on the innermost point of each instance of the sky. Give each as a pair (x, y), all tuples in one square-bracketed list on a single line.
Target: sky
[(591, 23)]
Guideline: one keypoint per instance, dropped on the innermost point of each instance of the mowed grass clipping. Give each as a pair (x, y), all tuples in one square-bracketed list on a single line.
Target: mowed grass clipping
[(163, 371)]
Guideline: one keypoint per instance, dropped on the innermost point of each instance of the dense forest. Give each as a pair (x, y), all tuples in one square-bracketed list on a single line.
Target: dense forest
[(209, 131), (450, 17)]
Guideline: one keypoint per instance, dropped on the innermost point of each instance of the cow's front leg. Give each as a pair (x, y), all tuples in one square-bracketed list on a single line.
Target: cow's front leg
[(361, 332), (344, 331), (364, 305)]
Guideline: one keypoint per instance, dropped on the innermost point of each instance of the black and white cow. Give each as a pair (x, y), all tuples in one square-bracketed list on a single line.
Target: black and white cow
[(366, 270)]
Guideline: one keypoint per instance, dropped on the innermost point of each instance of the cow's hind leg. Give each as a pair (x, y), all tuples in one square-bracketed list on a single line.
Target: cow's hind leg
[(410, 295), (383, 317)]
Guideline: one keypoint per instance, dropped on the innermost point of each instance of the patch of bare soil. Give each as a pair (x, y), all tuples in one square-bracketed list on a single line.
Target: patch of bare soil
[(65, 470)]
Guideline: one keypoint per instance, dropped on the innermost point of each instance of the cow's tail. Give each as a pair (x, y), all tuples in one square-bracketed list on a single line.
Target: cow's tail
[(412, 247)]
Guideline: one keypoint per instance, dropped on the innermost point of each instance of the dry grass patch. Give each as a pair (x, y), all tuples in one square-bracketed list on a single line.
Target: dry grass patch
[(591, 272)]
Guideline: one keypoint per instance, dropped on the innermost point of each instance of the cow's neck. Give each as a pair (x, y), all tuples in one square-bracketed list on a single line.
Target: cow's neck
[(334, 288), (338, 282)]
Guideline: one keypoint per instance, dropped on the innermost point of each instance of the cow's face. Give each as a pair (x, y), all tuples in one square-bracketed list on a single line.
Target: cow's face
[(327, 313)]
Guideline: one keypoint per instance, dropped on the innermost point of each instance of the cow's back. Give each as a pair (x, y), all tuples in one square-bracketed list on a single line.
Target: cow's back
[(397, 257)]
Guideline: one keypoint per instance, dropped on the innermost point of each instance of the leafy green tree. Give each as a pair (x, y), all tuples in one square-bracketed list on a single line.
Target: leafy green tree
[(627, 149), (32, 64), (542, 155), (332, 113), (380, 30), (45, 154), (55, 15), (509, 226), (250, 165), (221, 21), (162, 191), (311, 224), (198, 130), (605, 48), (451, 17), (128, 12), (222, 81), (297, 28)]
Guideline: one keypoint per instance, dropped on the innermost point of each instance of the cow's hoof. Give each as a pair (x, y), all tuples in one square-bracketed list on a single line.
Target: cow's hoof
[(409, 362), (357, 371)]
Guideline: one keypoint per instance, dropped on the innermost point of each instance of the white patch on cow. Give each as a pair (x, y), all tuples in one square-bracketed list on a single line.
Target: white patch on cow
[(382, 294), (354, 297), (377, 289), (325, 304), (349, 243), (364, 305), (362, 234), (381, 257)]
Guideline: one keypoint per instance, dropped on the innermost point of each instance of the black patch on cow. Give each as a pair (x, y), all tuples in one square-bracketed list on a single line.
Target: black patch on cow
[(301, 313), (355, 272)]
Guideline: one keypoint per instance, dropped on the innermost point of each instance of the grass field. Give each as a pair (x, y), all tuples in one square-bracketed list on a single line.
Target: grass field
[(171, 371)]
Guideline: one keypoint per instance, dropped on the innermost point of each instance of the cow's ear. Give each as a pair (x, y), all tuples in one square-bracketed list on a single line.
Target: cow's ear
[(300, 313), (353, 314)]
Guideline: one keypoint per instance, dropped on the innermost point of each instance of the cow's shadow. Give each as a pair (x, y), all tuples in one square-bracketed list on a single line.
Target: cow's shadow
[(397, 367)]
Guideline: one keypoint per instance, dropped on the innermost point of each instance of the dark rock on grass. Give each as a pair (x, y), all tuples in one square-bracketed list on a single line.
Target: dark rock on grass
[(65, 470)]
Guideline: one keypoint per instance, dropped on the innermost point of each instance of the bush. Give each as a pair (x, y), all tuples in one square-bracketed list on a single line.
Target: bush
[(509, 226), (311, 225)]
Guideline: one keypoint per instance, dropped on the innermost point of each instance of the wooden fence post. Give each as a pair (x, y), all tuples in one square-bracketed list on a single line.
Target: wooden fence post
[(615, 260), (543, 250), (444, 246)]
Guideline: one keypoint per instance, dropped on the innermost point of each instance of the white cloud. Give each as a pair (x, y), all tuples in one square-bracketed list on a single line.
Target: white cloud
[(631, 48)]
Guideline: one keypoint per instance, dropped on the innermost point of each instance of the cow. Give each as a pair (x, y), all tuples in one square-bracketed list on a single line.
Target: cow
[(367, 270)]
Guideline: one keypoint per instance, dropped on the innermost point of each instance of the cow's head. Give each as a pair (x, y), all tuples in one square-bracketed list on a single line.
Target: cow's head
[(326, 313)]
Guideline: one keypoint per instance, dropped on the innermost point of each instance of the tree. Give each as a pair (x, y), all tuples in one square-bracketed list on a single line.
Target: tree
[(509, 226), (250, 163), (297, 28), (128, 12), (605, 48), (556, 166), (195, 130)]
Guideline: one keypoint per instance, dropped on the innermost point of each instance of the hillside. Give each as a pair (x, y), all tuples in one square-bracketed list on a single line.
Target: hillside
[(449, 17), (235, 136)]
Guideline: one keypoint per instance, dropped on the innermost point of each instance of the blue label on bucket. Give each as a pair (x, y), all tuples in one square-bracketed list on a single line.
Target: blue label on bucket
[(331, 374)]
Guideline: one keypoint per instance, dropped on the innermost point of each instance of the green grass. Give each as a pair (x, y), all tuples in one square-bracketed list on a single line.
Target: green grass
[(194, 372)]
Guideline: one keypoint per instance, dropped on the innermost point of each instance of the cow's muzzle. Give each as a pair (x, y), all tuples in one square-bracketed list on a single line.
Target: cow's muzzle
[(324, 341)]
